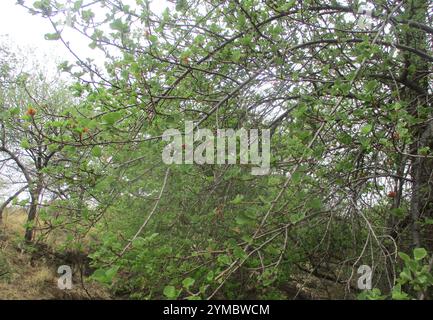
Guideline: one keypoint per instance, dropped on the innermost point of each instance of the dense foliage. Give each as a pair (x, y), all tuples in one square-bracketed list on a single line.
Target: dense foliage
[(347, 97)]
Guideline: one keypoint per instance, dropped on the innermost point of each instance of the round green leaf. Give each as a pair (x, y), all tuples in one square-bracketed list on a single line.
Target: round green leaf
[(419, 253)]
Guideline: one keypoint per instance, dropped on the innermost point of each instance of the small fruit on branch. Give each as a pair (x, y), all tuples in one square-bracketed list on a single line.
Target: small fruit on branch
[(31, 112)]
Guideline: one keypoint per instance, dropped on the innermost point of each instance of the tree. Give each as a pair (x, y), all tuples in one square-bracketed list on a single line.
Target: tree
[(349, 109), (36, 128)]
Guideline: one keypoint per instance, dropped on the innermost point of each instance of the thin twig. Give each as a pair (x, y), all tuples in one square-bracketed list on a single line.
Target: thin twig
[(149, 216)]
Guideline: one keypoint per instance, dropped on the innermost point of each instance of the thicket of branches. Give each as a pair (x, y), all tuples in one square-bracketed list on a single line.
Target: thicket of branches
[(349, 106)]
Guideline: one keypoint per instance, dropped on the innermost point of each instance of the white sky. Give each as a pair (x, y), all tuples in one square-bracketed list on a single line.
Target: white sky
[(27, 31)]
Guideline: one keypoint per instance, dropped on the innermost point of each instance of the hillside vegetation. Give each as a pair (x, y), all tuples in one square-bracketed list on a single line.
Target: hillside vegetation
[(221, 149), (27, 273)]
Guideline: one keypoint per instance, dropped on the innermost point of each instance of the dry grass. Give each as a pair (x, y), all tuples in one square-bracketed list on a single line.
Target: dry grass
[(13, 221), (22, 276)]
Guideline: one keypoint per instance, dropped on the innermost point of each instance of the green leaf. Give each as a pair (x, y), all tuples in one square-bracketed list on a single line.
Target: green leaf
[(248, 239), (428, 221), (188, 282), (419, 253), (96, 151), (424, 151), (239, 253), (78, 4), (181, 4), (105, 276), (404, 256), (315, 203), (153, 38), (236, 54), (52, 36), (14, 111), (398, 212), (210, 276), (422, 279), (111, 118), (224, 259), (405, 275), (288, 5), (366, 129), (243, 219), (53, 147), (25, 144), (99, 275), (42, 5), (118, 25), (237, 200), (397, 294), (170, 292), (87, 15), (111, 273)]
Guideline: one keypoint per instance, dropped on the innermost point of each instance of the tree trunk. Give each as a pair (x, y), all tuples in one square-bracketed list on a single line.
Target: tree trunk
[(416, 72), (9, 200), (32, 214)]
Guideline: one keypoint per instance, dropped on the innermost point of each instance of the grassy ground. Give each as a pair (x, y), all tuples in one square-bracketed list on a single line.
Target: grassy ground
[(32, 274), (27, 274)]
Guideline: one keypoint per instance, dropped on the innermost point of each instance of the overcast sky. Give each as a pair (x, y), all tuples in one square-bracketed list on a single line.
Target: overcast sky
[(27, 31)]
